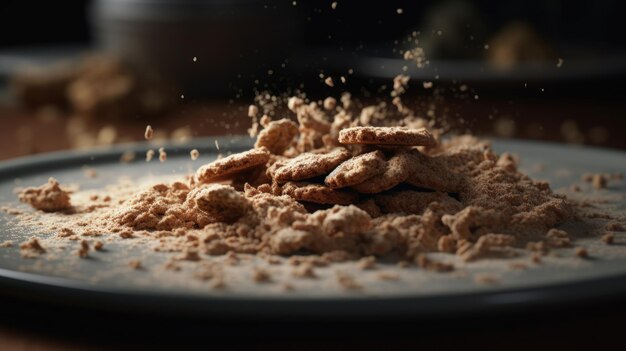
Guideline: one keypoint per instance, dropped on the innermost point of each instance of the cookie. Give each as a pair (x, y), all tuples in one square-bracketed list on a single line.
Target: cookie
[(434, 173), (310, 165), (398, 169), (277, 136), (230, 165), (357, 170), (413, 202), (387, 136), (318, 193)]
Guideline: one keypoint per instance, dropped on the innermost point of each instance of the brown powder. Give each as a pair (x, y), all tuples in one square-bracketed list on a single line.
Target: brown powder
[(48, 197)]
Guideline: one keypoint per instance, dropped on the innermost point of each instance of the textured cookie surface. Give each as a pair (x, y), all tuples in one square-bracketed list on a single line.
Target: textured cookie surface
[(399, 168), (386, 136), (310, 165), (434, 173), (414, 202), (357, 170), (277, 136), (230, 165), (318, 193)]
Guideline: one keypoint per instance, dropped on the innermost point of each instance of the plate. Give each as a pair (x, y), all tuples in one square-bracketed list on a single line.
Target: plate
[(99, 281)]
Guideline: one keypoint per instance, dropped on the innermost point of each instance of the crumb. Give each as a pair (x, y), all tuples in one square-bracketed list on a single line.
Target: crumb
[(6, 243), (83, 251), (90, 172), (387, 276), (260, 275), (333, 5), (486, 279), (518, 266), (49, 197), (162, 155), (581, 252), (434, 266), (288, 287), (599, 181), (127, 157), (329, 82), (614, 226), (347, 281), (135, 264), (148, 133), (253, 111), (149, 155), (304, 270), (608, 238), (194, 154), (98, 245), (368, 262), (32, 248)]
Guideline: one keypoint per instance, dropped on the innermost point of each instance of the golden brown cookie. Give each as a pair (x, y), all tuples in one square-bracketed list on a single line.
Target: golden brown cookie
[(399, 167), (318, 193), (413, 202), (230, 165), (309, 165), (357, 170), (387, 136), (277, 136)]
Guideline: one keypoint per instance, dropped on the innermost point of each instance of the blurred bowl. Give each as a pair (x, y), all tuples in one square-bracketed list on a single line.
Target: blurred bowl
[(234, 41)]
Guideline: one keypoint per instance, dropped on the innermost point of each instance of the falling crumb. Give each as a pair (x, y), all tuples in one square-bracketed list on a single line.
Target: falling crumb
[(261, 275), (581, 252), (83, 251), (399, 11), (149, 155), (148, 133), (135, 264), (253, 111), (427, 85), (342, 79), (608, 238), (182, 96), (330, 103), (194, 154), (195, 59), (333, 5), (559, 63), (329, 81), (162, 155), (98, 245), (486, 279), (217, 145)]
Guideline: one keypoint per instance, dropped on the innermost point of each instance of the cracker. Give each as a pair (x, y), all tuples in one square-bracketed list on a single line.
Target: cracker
[(387, 136), (310, 165), (357, 170), (398, 169), (318, 193), (277, 136), (230, 165)]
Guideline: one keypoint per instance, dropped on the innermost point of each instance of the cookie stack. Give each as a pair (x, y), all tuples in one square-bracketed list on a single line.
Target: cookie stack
[(369, 162)]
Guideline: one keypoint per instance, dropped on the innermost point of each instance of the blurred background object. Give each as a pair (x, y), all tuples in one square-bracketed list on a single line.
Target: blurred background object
[(95, 72)]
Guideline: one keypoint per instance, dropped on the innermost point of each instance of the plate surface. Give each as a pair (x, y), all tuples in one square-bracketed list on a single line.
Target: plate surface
[(102, 282)]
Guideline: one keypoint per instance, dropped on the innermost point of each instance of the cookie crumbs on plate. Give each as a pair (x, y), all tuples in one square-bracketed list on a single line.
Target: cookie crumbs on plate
[(149, 155), (6, 243), (127, 156), (135, 264), (261, 275), (486, 279), (387, 276), (347, 281), (32, 248), (148, 133), (599, 181), (98, 245), (304, 270), (608, 238), (49, 197), (614, 226), (431, 265), (194, 154), (367, 263), (518, 266), (83, 250), (581, 252)]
